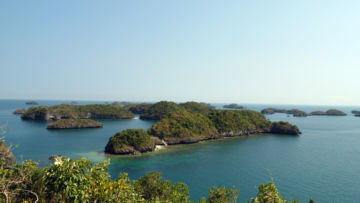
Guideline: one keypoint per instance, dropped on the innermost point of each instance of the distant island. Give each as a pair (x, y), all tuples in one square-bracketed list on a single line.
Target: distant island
[(66, 111), (330, 112), (70, 116), (233, 106), (299, 113), (356, 113), (31, 102), (74, 124), (294, 112), (184, 124)]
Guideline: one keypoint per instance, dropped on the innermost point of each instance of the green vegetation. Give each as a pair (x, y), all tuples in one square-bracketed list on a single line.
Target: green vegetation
[(6, 155), (197, 107), (284, 128), (294, 112), (233, 106), (19, 111), (232, 122), (81, 180), (74, 123), (63, 111), (137, 108), (160, 110), (330, 112), (36, 113), (183, 127), (131, 141)]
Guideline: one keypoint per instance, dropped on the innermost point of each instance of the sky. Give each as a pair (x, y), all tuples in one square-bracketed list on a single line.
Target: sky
[(262, 52)]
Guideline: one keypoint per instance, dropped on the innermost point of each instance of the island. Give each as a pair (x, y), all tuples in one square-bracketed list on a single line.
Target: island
[(294, 112), (66, 111), (131, 141), (233, 106), (31, 102), (356, 113), (74, 124), (19, 111), (330, 112), (184, 126)]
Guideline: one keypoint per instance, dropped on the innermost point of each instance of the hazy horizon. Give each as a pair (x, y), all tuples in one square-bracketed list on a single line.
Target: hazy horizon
[(279, 52)]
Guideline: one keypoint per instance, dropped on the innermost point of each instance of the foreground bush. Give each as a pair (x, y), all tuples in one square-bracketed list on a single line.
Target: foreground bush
[(81, 180)]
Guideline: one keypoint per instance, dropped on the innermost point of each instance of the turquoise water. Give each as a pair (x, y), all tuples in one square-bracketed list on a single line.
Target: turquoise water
[(322, 163)]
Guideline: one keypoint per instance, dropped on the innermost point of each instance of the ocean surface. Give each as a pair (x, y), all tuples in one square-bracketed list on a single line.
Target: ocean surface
[(322, 163)]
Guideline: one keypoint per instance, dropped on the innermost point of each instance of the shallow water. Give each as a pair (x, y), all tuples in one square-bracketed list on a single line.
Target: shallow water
[(322, 163)]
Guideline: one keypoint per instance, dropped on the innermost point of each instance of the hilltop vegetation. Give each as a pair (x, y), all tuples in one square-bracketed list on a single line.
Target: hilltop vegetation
[(159, 110), (74, 123), (131, 141), (63, 111), (232, 123), (197, 107), (137, 108), (184, 127)]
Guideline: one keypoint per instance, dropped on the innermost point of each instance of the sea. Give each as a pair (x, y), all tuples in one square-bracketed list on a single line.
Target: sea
[(323, 163)]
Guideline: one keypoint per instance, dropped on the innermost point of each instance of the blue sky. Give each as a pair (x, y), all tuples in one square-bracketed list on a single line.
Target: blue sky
[(275, 52)]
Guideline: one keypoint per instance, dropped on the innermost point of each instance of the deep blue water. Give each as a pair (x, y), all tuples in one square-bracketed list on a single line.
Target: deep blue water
[(322, 163)]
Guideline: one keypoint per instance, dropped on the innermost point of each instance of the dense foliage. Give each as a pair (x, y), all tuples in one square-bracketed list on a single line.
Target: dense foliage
[(137, 108), (130, 141), (232, 122), (81, 180), (94, 111), (183, 127), (74, 123), (284, 128), (160, 110), (197, 107)]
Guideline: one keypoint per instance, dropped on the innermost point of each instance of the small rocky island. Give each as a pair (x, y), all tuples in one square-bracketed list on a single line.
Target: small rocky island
[(233, 106), (74, 124), (31, 102), (131, 141), (330, 112), (184, 126), (294, 112), (19, 111)]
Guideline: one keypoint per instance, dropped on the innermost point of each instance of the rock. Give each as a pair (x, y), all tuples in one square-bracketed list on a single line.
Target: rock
[(31, 102), (19, 111)]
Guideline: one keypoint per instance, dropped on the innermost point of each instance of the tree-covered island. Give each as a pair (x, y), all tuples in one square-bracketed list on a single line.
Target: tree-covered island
[(72, 123), (294, 112), (180, 125), (330, 112), (66, 111)]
